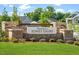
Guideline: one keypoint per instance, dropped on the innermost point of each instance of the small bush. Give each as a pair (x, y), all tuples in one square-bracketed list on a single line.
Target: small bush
[(3, 34), (42, 40), (16, 41), (27, 39), (4, 39), (33, 39), (69, 41), (60, 40), (1, 39), (21, 40), (13, 39), (52, 40), (76, 43)]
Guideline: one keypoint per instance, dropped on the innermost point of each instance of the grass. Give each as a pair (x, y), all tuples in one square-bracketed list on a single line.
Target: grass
[(37, 48)]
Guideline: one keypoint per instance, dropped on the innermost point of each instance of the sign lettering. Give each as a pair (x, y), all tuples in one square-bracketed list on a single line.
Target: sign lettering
[(41, 30)]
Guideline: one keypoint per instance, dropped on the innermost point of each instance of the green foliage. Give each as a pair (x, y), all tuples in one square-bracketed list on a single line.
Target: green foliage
[(66, 15), (43, 21), (5, 16), (4, 39), (2, 33), (35, 15), (59, 16), (49, 13), (50, 8), (3, 36), (38, 10), (52, 40), (60, 41), (76, 43), (15, 16)]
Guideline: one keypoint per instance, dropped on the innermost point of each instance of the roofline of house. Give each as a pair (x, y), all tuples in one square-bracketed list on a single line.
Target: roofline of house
[(34, 24)]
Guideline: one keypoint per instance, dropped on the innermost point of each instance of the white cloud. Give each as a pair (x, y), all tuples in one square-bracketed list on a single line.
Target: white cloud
[(60, 10), (10, 5), (39, 1), (10, 13), (57, 4), (24, 7), (70, 11)]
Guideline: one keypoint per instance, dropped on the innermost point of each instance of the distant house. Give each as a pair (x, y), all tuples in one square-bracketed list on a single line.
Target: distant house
[(52, 20), (25, 19), (72, 15)]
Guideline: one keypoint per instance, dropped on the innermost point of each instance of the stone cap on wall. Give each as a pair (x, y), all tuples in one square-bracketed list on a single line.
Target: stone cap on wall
[(15, 29)]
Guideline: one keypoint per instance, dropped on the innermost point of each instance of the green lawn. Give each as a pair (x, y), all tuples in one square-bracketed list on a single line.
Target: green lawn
[(37, 48)]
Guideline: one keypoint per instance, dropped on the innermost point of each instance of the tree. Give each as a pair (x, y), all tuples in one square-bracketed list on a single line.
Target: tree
[(38, 10), (50, 8), (50, 12), (59, 16), (66, 15), (47, 14), (43, 19), (35, 15), (15, 16), (5, 16)]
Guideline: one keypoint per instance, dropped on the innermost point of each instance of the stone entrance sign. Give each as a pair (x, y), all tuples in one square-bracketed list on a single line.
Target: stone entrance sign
[(41, 30)]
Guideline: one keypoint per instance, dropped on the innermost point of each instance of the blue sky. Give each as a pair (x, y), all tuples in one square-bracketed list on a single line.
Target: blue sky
[(24, 8)]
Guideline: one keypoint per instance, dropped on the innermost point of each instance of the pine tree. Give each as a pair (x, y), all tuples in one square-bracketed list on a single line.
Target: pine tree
[(15, 16), (5, 16)]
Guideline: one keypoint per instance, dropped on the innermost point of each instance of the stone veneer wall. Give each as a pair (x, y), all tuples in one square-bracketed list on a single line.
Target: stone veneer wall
[(43, 36), (15, 33), (68, 35), (7, 25)]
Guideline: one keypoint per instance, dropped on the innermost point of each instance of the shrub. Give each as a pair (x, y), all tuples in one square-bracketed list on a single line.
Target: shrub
[(27, 39), (16, 41), (21, 40), (1, 39), (60, 40), (52, 40), (42, 40), (76, 43), (4, 39), (3, 34), (13, 39), (69, 41), (33, 39)]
